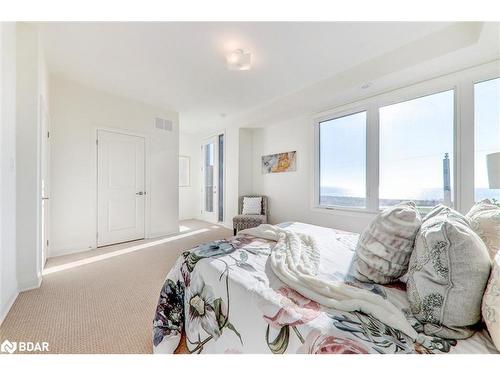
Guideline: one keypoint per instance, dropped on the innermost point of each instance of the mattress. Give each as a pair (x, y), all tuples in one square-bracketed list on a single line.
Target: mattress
[(223, 297)]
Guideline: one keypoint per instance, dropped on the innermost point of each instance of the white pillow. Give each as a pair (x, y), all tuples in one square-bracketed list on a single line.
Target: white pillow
[(491, 303), (447, 275), (384, 248), (484, 218), (252, 205)]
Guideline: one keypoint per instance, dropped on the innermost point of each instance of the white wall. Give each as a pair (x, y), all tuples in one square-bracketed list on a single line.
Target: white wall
[(8, 262), (290, 194), (190, 199), (23, 85), (76, 112), (232, 145), (31, 86), (190, 196), (245, 167)]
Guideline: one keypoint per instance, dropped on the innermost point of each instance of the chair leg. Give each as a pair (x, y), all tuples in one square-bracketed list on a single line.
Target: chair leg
[(234, 231)]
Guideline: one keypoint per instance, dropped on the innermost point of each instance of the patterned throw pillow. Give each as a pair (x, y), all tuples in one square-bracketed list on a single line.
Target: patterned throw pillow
[(484, 218), (491, 303), (252, 205), (447, 276), (384, 248)]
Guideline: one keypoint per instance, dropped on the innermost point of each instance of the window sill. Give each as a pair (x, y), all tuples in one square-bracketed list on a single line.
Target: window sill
[(332, 210)]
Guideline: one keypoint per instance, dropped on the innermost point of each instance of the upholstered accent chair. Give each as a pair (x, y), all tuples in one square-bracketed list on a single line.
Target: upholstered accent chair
[(241, 221)]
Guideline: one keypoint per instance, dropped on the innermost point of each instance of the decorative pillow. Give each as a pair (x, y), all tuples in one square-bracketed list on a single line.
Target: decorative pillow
[(448, 272), (384, 248), (252, 205), (491, 303), (444, 210), (484, 218)]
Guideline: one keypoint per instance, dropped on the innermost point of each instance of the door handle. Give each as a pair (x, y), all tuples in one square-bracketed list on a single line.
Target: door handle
[(140, 193), (45, 198)]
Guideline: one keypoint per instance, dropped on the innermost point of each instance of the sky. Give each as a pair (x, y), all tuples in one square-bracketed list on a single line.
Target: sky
[(343, 153), (414, 137)]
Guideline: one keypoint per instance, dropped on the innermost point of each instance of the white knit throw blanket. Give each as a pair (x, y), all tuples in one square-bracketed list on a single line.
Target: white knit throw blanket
[(295, 260)]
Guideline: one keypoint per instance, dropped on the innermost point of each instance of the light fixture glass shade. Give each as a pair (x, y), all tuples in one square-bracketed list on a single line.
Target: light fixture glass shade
[(239, 60), (493, 162)]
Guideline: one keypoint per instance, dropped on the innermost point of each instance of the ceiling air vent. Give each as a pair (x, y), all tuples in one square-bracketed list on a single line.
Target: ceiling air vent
[(163, 124)]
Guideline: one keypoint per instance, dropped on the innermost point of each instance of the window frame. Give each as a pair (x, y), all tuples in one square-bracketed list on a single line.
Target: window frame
[(422, 94), (351, 110), (372, 106), (483, 78), (462, 81)]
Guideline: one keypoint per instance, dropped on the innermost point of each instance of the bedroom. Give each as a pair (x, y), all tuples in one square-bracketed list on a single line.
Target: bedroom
[(250, 187)]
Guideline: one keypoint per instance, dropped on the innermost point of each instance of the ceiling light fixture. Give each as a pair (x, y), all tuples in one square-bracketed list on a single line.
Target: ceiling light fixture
[(239, 60)]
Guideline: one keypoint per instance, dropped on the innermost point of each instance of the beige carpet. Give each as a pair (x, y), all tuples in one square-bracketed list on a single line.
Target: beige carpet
[(102, 301)]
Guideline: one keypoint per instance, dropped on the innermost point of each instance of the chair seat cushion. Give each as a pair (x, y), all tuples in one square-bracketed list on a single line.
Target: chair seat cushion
[(250, 218)]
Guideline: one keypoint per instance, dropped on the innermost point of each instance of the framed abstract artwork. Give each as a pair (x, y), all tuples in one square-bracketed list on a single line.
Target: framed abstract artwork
[(282, 162)]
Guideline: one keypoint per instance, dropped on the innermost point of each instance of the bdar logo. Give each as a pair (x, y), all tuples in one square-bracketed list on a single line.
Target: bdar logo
[(8, 347), (24, 346)]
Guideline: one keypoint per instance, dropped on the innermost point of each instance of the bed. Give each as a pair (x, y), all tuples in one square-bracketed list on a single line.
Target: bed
[(222, 297)]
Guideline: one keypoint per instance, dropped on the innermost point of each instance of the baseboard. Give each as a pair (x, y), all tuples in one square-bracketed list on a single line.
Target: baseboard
[(154, 235), (58, 253), (8, 306), (226, 225), (29, 285)]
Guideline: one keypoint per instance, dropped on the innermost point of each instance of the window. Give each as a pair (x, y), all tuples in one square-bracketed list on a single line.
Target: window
[(487, 135), (402, 145), (416, 151), (342, 158)]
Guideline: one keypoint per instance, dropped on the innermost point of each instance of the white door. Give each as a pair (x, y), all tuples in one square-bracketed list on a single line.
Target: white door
[(210, 173), (45, 174), (120, 188)]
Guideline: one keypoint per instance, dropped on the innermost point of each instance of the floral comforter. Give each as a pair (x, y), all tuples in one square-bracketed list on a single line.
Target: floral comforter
[(222, 297)]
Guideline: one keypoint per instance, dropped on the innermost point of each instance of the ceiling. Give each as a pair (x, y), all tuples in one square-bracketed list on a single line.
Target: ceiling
[(181, 66)]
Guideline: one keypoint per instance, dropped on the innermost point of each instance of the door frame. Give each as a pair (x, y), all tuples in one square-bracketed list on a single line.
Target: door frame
[(44, 155), (147, 178), (201, 158)]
